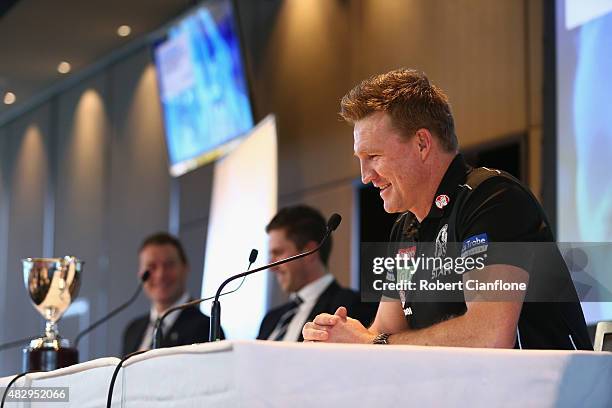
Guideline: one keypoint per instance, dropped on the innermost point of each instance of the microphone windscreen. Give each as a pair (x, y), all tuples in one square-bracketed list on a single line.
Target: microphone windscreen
[(334, 221), (253, 256), (145, 276)]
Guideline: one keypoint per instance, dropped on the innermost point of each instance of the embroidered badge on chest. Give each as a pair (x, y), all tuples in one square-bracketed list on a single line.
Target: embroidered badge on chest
[(441, 240), (442, 201)]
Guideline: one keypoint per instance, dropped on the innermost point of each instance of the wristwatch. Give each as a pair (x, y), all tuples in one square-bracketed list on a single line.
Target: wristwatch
[(382, 338)]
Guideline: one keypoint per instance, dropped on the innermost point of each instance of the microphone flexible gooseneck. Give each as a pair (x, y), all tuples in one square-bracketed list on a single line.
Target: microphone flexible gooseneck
[(215, 309), (145, 276), (158, 332)]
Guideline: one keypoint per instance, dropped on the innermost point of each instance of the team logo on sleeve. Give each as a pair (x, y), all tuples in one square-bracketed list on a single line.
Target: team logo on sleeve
[(442, 201), (475, 245)]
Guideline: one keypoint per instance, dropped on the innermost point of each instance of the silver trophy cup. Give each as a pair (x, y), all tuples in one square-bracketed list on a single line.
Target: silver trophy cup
[(52, 284)]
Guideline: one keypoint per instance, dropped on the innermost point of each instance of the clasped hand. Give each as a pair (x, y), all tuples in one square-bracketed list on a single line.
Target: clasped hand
[(336, 328)]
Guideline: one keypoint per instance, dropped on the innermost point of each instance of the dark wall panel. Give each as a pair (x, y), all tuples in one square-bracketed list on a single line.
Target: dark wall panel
[(81, 196), (139, 180), (195, 189), (473, 49), (194, 195), (301, 77), (193, 237), (5, 335), (28, 146)]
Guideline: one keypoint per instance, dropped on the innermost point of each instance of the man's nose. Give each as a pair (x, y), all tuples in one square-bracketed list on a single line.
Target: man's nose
[(156, 273), (367, 174)]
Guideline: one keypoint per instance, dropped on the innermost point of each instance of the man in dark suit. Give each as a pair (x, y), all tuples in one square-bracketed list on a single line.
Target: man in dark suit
[(163, 256), (311, 288)]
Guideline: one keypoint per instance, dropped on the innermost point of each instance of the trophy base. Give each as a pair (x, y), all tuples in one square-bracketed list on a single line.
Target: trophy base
[(49, 358)]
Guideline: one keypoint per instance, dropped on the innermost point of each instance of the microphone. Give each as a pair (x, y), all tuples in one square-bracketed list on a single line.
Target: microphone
[(158, 332), (215, 309), (145, 276)]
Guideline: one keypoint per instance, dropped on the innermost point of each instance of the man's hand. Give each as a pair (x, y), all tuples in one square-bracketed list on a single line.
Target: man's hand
[(337, 328)]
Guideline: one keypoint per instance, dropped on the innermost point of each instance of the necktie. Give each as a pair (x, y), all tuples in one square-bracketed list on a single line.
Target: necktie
[(283, 323), (152, 325)]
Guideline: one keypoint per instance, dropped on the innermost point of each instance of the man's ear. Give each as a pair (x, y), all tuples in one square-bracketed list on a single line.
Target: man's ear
[(424, 141)]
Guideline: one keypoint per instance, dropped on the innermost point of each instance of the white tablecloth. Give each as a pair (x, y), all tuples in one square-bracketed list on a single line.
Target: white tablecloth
[(268, 374)]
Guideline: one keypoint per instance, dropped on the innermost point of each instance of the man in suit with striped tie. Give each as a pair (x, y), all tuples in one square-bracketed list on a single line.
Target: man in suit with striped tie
[(307, 281)]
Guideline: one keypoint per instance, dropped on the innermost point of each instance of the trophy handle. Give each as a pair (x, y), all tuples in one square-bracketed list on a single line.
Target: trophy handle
[(73, 267)]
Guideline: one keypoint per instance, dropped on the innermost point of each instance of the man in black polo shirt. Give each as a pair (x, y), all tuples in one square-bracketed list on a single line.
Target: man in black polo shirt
[(405, 141)]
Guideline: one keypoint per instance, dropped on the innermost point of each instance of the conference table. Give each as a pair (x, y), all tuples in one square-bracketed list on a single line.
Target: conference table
[(274, 374)]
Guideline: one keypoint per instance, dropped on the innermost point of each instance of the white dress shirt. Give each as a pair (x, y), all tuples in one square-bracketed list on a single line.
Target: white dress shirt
[(309, 295), (168, 321)]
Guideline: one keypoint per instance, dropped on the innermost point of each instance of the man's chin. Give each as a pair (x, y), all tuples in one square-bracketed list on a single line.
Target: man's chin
[(391, 209), (284, 287), (165, 299)]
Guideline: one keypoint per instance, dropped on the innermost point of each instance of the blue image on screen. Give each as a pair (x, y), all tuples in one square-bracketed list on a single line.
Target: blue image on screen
[(203, 88), (584, 148), (593, 130)]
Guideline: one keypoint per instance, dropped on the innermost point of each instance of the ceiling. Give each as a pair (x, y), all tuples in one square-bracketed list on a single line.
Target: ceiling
[(36, 35)]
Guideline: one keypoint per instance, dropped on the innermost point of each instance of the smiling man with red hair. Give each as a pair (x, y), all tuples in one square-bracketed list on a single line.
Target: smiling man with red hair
[(404, 138)]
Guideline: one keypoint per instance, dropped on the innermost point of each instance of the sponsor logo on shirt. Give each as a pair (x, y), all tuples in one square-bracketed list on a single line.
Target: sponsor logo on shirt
[(477, 244), (409, 252), (405, 274)]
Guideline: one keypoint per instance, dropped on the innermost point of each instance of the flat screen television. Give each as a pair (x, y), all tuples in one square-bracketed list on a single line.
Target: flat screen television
[(203, 87)]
